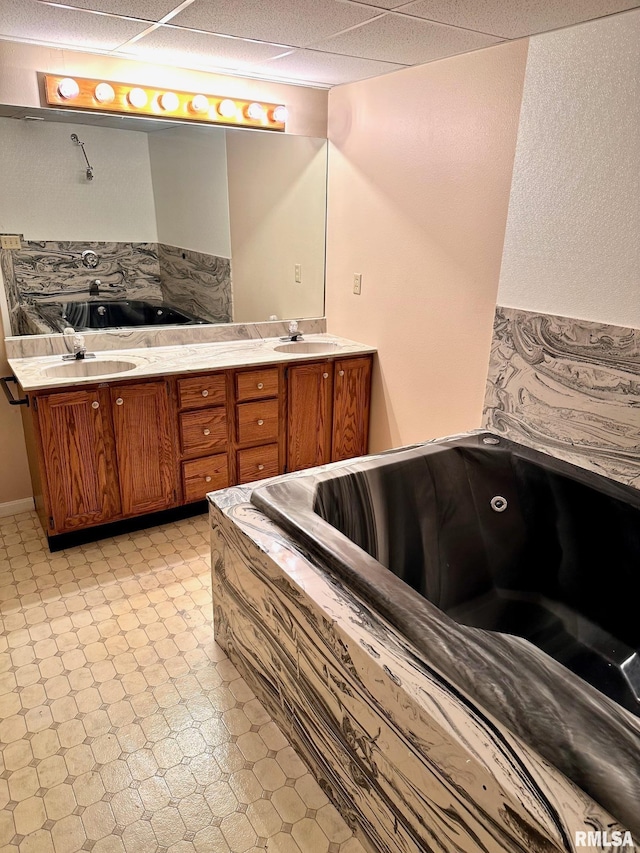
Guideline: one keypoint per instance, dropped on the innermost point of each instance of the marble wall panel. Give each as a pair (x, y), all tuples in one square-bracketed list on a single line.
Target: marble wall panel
[(197, 283), (410, 761), (568, 387)]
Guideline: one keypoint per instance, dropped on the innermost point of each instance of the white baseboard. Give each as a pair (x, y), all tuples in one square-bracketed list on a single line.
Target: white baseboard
[(15, 507)]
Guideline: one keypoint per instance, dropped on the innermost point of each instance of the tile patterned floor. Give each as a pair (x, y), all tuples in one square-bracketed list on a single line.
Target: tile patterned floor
[(124, 728)]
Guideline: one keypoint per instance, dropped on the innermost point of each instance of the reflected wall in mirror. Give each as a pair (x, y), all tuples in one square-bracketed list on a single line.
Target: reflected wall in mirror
[(190, 224)]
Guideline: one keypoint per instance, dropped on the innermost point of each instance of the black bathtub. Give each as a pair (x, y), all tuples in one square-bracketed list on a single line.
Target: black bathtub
[(513, 573)]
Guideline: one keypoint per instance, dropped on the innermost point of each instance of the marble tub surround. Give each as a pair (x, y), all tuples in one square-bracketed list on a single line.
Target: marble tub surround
[(569, 387), (198, 283), (52, 271), (31, 373), (411, 761), (174, 336)]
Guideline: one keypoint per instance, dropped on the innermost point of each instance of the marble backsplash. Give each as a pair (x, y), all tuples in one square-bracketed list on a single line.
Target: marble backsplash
[(52, 271), (568, 387)]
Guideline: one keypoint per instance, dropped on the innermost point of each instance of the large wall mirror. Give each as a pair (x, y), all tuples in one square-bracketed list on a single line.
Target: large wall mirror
[(178, 224)]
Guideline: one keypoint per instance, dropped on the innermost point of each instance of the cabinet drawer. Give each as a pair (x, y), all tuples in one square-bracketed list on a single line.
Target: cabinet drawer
[(203, 432), (256, 384), (204, 475), (258, 462), (200, 391), (258, 421)]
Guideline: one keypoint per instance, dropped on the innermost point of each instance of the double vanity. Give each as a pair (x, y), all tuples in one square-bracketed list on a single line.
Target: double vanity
[(131, 432)]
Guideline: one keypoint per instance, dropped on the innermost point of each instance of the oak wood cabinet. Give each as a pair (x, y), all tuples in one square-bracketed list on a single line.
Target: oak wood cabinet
[(119, 449), (335, 397)]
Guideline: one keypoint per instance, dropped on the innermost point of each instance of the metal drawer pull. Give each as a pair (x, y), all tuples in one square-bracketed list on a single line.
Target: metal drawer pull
[(261, 467), (325, 375), (260, 386), (95, 405), (119, 401), (205, 393), (341, 373), (24, 401), (207, 479), (207, 432), (260, 422)]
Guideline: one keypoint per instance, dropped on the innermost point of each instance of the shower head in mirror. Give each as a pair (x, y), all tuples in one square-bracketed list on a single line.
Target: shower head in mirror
[(90, 259)]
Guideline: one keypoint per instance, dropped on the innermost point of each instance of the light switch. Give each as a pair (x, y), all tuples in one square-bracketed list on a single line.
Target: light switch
[(357, 283), (298, 273), (10, 241)]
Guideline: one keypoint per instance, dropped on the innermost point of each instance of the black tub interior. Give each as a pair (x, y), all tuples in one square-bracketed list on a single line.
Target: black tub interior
[(557, 566)]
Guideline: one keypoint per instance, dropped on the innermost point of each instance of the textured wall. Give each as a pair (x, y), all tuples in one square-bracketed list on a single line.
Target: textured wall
[(571, 245), (44, 193), (419, 175)]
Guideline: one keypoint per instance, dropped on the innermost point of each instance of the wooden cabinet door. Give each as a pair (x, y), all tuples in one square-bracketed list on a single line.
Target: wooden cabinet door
[(351, 391), (144, 446), (309, 393), (79, 459)]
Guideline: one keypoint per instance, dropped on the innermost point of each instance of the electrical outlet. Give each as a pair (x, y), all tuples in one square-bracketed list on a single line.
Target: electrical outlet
[(357, 283), (10, 241), (298, 273)]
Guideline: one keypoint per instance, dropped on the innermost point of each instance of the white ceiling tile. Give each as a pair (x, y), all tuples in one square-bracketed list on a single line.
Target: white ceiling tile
[(28, 19), (328, 69), (148, 10), (518, 17), (187, 48), (405, 40), (292, 22)]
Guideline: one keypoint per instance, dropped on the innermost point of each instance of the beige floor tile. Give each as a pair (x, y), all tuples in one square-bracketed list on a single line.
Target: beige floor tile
[(123, 727)]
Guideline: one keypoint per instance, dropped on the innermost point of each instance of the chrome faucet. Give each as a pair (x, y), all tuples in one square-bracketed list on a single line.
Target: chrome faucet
[(294, 333), (74, 342), (94, 287)]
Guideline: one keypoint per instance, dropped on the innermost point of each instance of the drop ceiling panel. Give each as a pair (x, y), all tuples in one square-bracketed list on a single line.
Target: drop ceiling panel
[(292, 22), (405, 40), (327, 69), (515, 18), (187, 48), (149, 10), (28, 19)]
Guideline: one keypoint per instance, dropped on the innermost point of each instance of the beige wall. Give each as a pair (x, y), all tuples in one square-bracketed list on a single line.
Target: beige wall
[(572, 244), (420, 168), (15, 483), (189, 171), (277, 221)]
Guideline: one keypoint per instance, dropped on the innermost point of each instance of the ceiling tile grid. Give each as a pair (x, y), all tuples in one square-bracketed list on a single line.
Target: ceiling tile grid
[(312, 42)]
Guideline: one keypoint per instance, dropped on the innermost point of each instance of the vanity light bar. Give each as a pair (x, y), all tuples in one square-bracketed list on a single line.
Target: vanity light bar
[(79, 93)]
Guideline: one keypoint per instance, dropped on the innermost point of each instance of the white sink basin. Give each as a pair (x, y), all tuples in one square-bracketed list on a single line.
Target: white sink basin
[(307, 347), (90, 367)]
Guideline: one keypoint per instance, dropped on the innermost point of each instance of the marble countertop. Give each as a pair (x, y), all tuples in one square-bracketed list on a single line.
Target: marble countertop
[(32, 374)]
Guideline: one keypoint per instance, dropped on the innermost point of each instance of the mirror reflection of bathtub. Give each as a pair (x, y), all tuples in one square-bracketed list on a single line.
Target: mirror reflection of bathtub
[(217, 224), (513, 572)]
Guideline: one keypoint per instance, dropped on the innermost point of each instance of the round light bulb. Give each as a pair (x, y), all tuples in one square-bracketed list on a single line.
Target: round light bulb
[(280, 114), (137, 98), (169, 101), (199, 104), (227, 108), (104, 93), (255, 112), (68, 88)]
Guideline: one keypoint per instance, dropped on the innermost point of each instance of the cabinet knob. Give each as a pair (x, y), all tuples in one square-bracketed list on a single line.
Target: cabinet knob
[(325, 375), (207, 479), (260, 422), (95, 405), (260, 386), (341, 373), (261, 467), (119, 401), (205, 393), (207, 432)]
